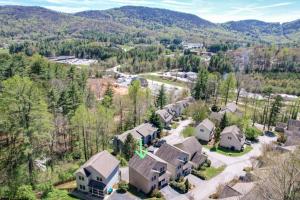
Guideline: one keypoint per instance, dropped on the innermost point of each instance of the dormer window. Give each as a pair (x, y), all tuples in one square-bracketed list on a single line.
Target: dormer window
[(81, 178), (99, 179)]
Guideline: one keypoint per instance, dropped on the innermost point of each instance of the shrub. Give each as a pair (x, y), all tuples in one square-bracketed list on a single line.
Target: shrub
[(208, 163), (25, 192), (281, 138), (198, 174), (178, 186), (57, 194), (45, 188), (188, 131), (122, 187), (252, 133), (156, 194), (123, 161), (215, 108)]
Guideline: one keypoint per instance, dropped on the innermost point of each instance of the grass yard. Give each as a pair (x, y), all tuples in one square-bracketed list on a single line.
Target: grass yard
[(211, 172), (164, 80), (174, 125), (3, 50), (188, 132), (66, 186), (228, 152)]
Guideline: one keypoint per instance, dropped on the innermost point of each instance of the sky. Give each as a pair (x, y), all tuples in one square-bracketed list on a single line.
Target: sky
[(213, 10)]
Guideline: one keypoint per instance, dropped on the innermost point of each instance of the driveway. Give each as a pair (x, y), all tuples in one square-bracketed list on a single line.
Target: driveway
[(118, 196), (194, 180), (170, 194), (175, 137), (125, 174), (235, 166)]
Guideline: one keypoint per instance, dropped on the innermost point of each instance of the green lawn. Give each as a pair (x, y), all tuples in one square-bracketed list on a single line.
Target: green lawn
[(3, 50), (164, 80), (228, 152), (211, 172), (188, 132)]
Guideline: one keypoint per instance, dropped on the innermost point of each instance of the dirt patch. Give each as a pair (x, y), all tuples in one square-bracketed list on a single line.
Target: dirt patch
[(99, 86)]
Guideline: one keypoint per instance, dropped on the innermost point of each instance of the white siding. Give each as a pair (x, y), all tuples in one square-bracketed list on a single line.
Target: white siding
[(202, 133), (84, 182), (229, 141), (113, 180)]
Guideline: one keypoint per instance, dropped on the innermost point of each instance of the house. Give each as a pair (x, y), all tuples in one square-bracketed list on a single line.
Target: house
[(237, 191), (191, 146), (293, 125), (146, 132), (182, 105), (165, 117), (148, 173), (171, 108), (232, 138), (177, 160), (280, 127), (98, 175), (205, 130), (143, 81), (230, 108)]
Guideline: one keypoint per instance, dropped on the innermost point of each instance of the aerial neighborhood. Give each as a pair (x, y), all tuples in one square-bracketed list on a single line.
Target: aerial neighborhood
[(100, 100)]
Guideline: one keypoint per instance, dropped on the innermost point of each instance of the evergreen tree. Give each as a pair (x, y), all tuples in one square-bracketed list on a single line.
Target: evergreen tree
[(129, 146), (161, 99), (224, 122), (274, 111), (200, 89), (154, 119)]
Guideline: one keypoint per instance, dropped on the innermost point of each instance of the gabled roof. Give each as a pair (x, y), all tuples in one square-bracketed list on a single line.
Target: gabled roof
[(232, 107), (165, 115), (104, 163), (190, 145), (295, 123), (171, 108), (235, 131), (144, 130), (207, 124), (170, 154), (145, 166), (228, 192)]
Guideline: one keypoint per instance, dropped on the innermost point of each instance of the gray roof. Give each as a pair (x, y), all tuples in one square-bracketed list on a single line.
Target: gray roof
[(104, 163), (281, 125), (208, 124), (294, 123), (170, 154), (236, 132), (293, 138), (171, 108), (146, 165), (230, 107), (228, 192), (190, 145), (165, 115), (145, 130)]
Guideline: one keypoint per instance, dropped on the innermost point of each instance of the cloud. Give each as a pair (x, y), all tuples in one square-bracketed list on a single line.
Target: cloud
[(67, 9)]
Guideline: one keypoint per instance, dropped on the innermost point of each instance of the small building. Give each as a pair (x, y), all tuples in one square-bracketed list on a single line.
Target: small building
[(232, 138), (177, 159), (205, 130), (171, 108), (165, 117), (148, 173), (98, 175), (280, 127), (143, 81), (192, 146), (146, 132), (229, 108)]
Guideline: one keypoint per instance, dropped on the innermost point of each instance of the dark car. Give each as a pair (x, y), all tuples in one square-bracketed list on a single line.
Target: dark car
[(159, 143)]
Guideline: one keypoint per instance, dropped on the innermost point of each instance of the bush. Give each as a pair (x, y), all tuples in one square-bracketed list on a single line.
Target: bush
[(123, 161), (215, 108), (178, 186), (188, 131), (208, 163), (122, 187), (25, 192), (156, 194), (281, 138), (45, 188), (57, 194), (198, 174), (252, 133)]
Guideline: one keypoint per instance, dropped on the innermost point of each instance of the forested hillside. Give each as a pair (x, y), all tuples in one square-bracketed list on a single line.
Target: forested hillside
[(18, 23)]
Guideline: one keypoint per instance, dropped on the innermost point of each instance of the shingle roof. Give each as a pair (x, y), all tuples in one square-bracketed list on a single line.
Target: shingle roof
[(190, 145), (232, 107), (235, 131), (293, 138), (294, 123), (170, 154), (208, 124), (165, 115), (145, 130), (146, 165), (228, 192), (104, 163)]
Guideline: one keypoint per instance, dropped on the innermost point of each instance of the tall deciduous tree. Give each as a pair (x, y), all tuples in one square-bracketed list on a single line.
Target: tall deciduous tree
[(274, 111), (134, 93), (228, 87)]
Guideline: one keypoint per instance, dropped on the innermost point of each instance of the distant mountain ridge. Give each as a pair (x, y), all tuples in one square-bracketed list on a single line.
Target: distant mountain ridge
[(32, 23)]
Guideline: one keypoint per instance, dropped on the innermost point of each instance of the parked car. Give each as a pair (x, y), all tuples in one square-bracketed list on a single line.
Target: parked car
[(159, 143), (248, 142), (269, 134)]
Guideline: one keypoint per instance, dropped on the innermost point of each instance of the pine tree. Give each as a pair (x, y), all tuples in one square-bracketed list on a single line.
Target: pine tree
[(129, 146), (161, 99), (274, 111), (224, 122), (154, 119), (200, 89)]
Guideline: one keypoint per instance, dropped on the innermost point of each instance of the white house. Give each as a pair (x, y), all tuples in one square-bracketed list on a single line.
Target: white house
[(232, 138), (98, 175), (205, 130)]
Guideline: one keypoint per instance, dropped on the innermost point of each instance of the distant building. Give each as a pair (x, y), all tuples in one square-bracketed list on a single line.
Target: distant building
[(177, 159), (143, 81), (148, 173), (192, 146), (205, 130), (187, 45), (146, 132), (232, 138), (98, 175), (230, 108), (165, 117)]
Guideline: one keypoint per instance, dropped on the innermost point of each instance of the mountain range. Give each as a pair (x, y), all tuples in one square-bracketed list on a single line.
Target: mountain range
[(18, 23)]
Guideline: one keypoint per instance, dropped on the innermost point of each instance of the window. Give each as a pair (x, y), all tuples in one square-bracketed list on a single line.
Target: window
[(229, 138), (202, 130), (81, 178), (162, 169), (82, 187), (99, 179)]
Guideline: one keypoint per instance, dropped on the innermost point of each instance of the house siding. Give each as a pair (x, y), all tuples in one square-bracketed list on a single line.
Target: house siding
[(112, 179), (204, 135), (228, 141)]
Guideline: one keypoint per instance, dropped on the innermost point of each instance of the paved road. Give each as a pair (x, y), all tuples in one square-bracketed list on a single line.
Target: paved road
[(235, 166), (175, 137)]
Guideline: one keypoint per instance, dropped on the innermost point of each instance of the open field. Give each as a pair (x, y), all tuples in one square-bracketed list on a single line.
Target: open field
[(165, 80)]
